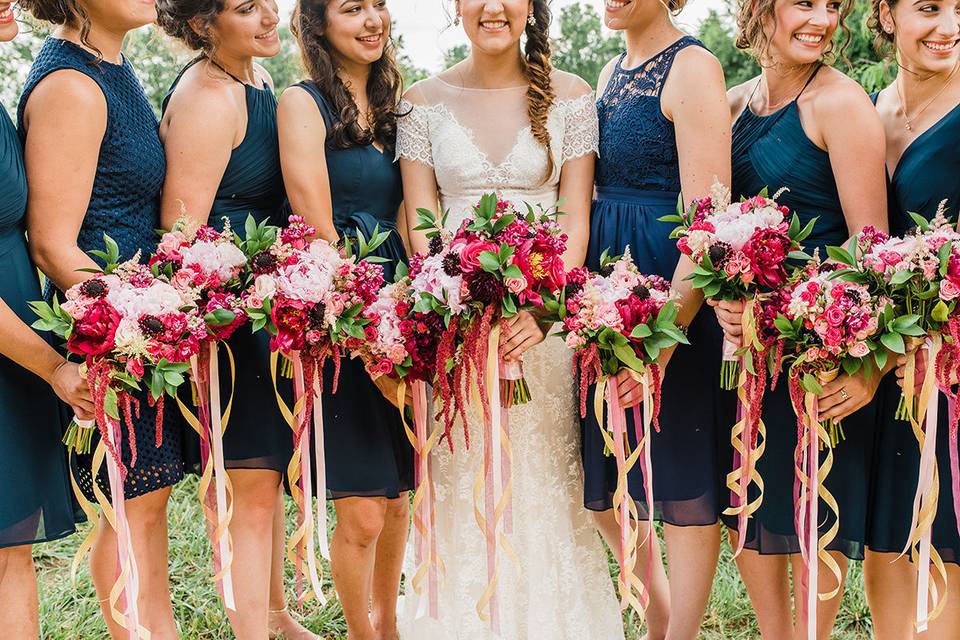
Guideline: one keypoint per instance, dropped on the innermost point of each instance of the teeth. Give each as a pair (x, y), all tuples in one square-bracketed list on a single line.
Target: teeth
[(499, 24), (803, 37), (268, 34), (375, 38), (937, 46), (616, 4), (5, 13)]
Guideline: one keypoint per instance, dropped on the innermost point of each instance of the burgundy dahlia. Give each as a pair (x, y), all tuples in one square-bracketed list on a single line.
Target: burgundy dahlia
[(484, 287)]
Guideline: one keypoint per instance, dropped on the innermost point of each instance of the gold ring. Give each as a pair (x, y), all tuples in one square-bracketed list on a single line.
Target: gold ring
[(844, 394)]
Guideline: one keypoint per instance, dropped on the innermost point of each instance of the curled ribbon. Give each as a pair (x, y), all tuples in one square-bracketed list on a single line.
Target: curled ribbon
[(923, 416)]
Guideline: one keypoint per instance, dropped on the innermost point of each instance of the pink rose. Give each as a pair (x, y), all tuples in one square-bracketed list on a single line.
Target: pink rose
[(254, 302), (833, 337), (516, 285), (470, 256), (859, 350), (834, 315), (948, 290)]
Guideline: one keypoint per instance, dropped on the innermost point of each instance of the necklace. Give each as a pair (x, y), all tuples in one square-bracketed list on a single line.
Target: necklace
[(903, 103), (790, 96)]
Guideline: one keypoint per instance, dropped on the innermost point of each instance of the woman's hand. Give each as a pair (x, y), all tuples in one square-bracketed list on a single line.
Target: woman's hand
[(730, 316), (847, 394), (523, 332), (389, 386), (71, 387)]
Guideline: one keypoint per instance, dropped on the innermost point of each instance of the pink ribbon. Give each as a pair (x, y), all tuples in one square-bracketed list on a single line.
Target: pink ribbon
[(646, 471), (813, 534), (125, 555), (928, 461), (225, 553), (954, 455)]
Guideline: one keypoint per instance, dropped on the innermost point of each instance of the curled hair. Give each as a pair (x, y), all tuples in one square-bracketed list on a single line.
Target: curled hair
[(308, 24), (68, 13), (882, 41), (675, 6), (175, 16), (753, 15), (537, 67)]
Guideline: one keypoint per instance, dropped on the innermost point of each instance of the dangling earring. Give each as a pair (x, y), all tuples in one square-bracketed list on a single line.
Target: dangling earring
[(456, 20), (532, 20)]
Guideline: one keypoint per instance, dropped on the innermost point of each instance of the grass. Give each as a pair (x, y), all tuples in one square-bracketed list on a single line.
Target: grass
[(71, 612)]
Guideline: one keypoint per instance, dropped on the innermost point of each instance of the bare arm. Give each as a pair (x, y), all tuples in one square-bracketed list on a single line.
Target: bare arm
[(65, 118), (198, 140), (303, 160), (22, 345), (419, 192), (576, 192)]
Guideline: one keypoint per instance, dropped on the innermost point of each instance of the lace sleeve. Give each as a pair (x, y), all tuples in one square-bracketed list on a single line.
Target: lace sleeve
[(581, 134), (413, 134)]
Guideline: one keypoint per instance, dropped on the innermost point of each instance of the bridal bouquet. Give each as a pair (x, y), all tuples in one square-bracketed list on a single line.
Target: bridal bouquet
[(620, 319), (208, 266), (920, 273), (132, 329), (740, 249), (310, 296)]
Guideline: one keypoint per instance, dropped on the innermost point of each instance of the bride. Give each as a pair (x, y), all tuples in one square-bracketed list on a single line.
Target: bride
[(502, 120)]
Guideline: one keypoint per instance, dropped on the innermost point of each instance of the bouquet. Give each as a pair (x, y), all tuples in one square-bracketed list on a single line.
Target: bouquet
[(132, 329), (621, 319), (740, 249), (208, 267), (310, 296), (920, 273)]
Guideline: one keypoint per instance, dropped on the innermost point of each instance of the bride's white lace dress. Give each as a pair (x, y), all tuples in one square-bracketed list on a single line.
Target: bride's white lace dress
[(479, 141)]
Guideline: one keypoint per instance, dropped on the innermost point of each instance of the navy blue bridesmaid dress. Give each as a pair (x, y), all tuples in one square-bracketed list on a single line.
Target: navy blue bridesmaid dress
[(257, 437), (125, 204), (367, 453), (637, 182), (35, 503), (773, 151), (926, 174)]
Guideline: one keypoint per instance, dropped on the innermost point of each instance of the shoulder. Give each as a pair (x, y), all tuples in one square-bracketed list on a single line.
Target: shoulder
[(606, 73), (203, 99), (261, 72), (418, 94), (297, 104), (69, 92), (839, 97), (697, 61), (569, 86), (739, 95)]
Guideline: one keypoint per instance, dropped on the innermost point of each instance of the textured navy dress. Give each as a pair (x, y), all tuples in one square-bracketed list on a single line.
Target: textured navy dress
[(256, 437), (125, 204), (926, 174), (774, 151), (638, 181), (367, 451), (35, 502)]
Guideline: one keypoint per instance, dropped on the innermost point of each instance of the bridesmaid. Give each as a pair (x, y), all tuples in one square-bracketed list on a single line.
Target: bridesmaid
[(337, 133), (219, 130), (664, 130), (35, 504), (792, 130), (83, 108), (921, 114)]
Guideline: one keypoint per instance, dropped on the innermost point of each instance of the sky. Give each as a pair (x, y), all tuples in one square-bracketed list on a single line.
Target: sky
[(427, 33)]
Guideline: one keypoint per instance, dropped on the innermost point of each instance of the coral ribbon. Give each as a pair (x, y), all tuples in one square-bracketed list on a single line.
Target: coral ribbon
[(923, 419), (423, 439)]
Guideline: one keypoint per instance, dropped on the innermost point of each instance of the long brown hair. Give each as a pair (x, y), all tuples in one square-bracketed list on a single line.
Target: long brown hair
[(883, 42), (308, 24), (752, 16), (537, 67)]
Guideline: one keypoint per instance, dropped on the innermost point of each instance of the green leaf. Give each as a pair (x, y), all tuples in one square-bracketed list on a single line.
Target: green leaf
[(851, 365), (922, 223), (940, 312), (900, 277), (489, 261), (841, 256), (880, 356), (513, 271), (811, 384), (807, 230), (220, 318), (110, 404), (893, 342), (641, 331), (626, 355)]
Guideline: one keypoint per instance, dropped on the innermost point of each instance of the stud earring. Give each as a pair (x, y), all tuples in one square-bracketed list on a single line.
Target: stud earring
[(532, 20)]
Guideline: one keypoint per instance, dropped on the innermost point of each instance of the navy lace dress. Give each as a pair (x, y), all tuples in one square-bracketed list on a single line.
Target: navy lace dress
[(367, 452), (638, 181), (125, 204), (256, 437), (774, 151), (34, 487), (926, 174)]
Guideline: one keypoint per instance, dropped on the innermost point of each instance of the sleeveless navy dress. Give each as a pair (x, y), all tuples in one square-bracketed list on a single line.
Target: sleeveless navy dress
[(926, 174), (35, 502), (125, 204), (366, 450), (256, 437), (774, 151), (637, 182)]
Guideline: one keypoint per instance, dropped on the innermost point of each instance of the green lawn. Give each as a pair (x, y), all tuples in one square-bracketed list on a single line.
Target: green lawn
[(71, 613)]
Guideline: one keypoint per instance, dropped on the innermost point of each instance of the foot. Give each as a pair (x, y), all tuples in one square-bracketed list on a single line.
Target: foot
[(282, 625)]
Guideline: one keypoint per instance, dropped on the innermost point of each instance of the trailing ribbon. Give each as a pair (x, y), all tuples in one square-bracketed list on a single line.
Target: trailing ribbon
[(923, 416), (749, 434), (215, 489), (491, 488), (633, 592), (423, 439)]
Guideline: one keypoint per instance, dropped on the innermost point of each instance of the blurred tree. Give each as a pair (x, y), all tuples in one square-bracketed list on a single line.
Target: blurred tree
[(455, 54), (583, 48)]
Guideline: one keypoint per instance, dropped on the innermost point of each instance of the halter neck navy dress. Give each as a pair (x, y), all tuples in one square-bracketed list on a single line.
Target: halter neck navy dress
[(125, 204), (926, 174), (367, 452), (637, 182), (773, 151), (256, 437), (35, 503)]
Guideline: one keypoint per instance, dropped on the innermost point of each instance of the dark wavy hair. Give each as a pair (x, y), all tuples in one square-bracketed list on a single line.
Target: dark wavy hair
[(68, 13), (751, 37), (174, 17), (537, 67), (384, 86)]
